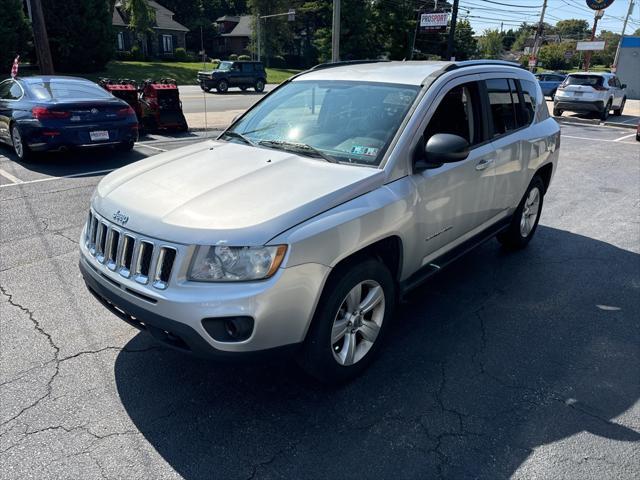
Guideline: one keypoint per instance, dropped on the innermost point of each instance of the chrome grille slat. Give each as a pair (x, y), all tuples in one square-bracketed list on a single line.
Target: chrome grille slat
[(163, 267), (142, 259)]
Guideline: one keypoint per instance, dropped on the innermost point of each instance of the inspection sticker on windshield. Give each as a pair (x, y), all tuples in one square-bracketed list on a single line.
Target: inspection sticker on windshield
[(360, 150)]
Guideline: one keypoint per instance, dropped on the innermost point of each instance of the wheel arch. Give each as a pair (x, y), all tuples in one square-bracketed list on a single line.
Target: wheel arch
[(545, 172)]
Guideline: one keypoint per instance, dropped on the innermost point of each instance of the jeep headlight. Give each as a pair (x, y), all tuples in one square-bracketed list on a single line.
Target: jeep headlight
[(235, 264)]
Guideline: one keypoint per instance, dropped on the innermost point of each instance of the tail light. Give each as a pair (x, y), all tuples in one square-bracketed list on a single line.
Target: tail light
[(126, 112), (43, 113)]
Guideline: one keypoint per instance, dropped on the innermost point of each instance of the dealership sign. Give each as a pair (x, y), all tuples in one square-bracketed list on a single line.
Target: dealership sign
[(599, 45), (434, 21), (599, 4)]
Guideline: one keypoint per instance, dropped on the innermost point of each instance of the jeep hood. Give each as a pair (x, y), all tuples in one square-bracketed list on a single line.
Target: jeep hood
[(213, 192)]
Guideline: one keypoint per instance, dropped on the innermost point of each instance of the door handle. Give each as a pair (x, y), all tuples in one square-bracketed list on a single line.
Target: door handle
[(484, 163)]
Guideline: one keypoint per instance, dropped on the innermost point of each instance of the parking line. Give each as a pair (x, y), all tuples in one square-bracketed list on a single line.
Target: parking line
[(594, 139), (626, 136), (10, 177), (48, 179), (149, 146)]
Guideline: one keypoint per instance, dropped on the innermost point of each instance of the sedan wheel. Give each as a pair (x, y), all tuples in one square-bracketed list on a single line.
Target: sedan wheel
[(357, 324), (22, 150)]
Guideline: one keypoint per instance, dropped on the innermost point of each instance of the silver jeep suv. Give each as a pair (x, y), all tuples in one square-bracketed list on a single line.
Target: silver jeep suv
[(300, 227)]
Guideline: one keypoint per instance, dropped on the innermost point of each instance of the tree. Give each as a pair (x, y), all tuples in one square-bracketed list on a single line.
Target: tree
[(466, 46), (490, 44), (552, 57), (80, 34), (524, 32), (573, 28), (141, 20), (637, 32), (15, 34), (605, 57)]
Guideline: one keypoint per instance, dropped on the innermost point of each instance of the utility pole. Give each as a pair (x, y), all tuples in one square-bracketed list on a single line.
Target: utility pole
[(258, 36), (624, 27), (40, 38), (587, 56), (538, 38), (452, 31), (335, 32)]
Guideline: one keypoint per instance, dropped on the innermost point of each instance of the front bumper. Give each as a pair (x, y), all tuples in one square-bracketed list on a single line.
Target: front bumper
[(577, 105), (282, 307)]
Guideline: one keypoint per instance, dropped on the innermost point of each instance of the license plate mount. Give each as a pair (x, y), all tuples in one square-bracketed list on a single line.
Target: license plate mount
[(99, 135)]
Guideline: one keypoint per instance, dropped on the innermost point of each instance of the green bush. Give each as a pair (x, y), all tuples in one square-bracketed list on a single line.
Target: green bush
[(244, 57), (233, 57), (180, 55), (136, 53)]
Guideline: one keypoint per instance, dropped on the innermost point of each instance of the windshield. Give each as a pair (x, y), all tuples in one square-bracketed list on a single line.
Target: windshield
[(348, 121), (225, 66), (586, 80), (66, 90)]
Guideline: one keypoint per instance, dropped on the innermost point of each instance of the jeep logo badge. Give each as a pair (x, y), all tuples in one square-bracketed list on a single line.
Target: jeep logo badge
[(120, 217)]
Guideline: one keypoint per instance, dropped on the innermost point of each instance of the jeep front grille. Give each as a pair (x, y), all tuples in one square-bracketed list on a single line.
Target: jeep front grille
[(128, 254)]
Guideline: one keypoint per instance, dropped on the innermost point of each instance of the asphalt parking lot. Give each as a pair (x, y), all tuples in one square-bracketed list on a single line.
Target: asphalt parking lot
[(506, 365)]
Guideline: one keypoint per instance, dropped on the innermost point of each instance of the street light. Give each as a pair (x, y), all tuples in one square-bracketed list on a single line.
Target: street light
[(291, 16)]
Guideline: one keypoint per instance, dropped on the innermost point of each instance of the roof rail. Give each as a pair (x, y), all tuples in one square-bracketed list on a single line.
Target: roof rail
[(343, 63), (473, 63)]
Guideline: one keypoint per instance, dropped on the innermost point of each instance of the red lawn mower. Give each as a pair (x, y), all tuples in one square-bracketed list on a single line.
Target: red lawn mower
[(161, 108)]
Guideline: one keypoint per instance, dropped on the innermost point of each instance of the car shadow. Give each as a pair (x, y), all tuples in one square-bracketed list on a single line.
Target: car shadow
[(81, 162), (498, 355)]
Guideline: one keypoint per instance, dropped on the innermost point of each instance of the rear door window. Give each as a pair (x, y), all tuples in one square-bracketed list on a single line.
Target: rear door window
[(503, 108), (10, 90)]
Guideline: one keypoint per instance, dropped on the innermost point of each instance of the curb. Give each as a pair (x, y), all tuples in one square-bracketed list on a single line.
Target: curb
[(587, 121)]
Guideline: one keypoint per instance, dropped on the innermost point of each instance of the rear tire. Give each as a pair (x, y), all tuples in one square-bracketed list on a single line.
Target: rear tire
[(222, 86), (126, 146), (618, 112), (525, 219), (557, 112), (604, 114), (21, 149), (357, 303)]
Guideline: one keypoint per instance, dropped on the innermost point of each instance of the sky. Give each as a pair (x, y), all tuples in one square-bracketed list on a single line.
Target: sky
[(484, 14)]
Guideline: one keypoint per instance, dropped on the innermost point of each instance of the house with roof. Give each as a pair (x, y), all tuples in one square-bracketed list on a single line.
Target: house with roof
[(166, 37), (235, 35)]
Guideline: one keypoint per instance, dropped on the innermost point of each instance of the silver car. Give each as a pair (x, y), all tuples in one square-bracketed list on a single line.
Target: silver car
[(298, 229)]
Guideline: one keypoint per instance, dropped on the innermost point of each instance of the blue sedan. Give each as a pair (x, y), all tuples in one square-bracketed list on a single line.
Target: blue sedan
[(549, 82), (47, 113)]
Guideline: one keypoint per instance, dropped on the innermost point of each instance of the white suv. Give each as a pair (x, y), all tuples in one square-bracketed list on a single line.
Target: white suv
[(590, 92), (304, 222)]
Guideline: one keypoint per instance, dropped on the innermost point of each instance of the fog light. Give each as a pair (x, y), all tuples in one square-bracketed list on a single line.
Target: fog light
[(229, 329)]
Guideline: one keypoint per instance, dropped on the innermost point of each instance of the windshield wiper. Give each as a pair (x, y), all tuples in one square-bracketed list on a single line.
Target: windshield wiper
[(299, 148), (239, 136)]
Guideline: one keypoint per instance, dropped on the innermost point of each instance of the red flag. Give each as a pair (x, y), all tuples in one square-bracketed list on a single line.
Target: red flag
[(14, 68)]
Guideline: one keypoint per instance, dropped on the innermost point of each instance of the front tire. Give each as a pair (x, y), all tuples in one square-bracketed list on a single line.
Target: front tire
[(350, 322), (557, 112), (525, 219), (259, 86), (222, 86), (21, 149)]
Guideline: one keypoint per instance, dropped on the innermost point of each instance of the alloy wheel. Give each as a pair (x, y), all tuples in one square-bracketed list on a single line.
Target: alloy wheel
[(17, 141), (358, 322), (530, 212)]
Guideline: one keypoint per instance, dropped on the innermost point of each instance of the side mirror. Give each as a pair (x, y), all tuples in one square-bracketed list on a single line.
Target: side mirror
[(442, 148)]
